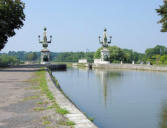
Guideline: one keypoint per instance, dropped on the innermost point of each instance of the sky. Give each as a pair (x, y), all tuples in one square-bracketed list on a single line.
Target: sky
[(76, 24)]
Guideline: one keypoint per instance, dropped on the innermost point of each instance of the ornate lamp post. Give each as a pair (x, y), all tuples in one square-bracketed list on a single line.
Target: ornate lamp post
[(45, 53), (105, 41), (105, 54)]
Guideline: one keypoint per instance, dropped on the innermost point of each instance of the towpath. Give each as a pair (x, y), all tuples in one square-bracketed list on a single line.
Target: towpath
[(18, 100)]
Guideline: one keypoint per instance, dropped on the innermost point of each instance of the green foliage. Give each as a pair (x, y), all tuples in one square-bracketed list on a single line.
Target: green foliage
[(163, 59), (11, 18), (156, 55), (117, 54), (31, 56), (57, 57), (160, 50), (41, 78), (74, 56), (91, 119), (97, 54), (6, 60), (62, 111), (67, 123), (25, 56), (162, 11)]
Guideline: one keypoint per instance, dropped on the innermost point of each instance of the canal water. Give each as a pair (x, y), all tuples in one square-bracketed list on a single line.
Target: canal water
[(118, 98)]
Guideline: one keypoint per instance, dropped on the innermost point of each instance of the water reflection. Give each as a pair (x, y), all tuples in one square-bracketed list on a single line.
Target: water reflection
[(125, 99), (163, 122), (107, 79)]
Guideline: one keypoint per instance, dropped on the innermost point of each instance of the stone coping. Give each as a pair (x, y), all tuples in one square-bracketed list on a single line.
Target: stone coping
[(75, 115)]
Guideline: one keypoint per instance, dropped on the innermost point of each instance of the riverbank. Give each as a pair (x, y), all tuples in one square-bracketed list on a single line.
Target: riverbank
[(74, 115), (124, 66), (30, 99), (26, 102), (131, 67)]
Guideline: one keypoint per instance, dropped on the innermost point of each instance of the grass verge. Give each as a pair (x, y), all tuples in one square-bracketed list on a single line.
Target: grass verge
[(41, 79)]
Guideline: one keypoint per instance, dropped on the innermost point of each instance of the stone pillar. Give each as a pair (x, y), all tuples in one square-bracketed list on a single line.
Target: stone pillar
[(121, 62), (105, 54), (45, 56), (133, 62)]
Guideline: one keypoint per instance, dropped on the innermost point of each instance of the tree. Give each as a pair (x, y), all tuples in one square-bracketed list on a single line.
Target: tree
[(162, 11), (163, 59), (156, 55), (157, 50), (117, 54), (11, 18), (97, 54), (31, 56), (6, 60)]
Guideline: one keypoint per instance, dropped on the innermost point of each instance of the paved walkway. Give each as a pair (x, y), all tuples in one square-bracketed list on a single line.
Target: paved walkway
[(22, 105), (14, 111)]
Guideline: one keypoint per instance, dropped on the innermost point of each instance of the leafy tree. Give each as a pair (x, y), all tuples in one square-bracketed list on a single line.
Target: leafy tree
[(117, 54), (128, 56), (11, 18), (89, 56), (74, 56), (163, 59), (6, 60), (31, 56), (162, 11), (160, 50), (97, 54), (156, 55)]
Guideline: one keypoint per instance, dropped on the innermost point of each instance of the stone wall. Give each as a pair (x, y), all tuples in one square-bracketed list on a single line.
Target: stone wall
[(131, 67)]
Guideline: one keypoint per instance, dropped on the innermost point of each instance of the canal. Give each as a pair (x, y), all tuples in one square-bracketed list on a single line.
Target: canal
[(118, 98)]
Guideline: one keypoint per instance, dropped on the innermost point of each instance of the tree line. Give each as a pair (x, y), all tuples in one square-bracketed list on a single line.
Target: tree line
[(156, 55), (12, 17)]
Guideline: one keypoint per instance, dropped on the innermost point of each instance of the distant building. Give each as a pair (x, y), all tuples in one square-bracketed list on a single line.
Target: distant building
[(99, 61), (82, 61)]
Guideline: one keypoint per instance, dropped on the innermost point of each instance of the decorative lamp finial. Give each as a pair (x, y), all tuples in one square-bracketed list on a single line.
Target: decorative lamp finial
[(45, 28), (105, 42)]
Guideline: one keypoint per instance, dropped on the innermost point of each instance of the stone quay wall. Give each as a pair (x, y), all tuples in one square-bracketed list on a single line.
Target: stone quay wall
[(131, 67), (75, 115)]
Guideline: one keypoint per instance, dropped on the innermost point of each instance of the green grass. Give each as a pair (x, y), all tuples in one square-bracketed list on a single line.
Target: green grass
[(46, 122), (58, 109), (38, 109), (62, 111), (41, 78), (67, 123), (30, 98), (91, 119), (43, 84), (42, 103)]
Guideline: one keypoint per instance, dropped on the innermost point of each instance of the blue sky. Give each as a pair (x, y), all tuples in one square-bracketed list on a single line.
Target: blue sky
[(76, 24)]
